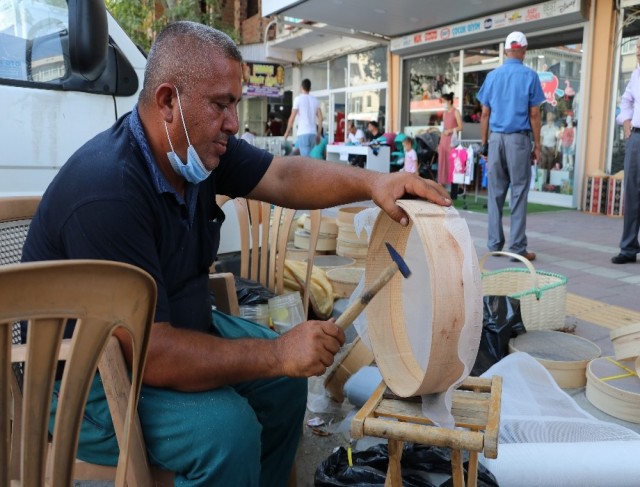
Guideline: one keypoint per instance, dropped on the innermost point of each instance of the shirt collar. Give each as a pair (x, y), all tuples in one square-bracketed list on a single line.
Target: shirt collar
[(158, 179), (512, 60)]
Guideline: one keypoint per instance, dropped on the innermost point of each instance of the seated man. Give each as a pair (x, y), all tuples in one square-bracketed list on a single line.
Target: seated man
[(354, 134), (373, 131), (223, 399)]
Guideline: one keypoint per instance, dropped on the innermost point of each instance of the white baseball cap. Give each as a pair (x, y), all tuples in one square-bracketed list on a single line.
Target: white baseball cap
[(515, 40)]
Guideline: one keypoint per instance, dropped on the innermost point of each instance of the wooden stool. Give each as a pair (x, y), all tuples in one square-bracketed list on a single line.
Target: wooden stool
[(476, 408)]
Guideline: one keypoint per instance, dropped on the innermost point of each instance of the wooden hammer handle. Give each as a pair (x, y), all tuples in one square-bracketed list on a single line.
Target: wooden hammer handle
[(355, 308)]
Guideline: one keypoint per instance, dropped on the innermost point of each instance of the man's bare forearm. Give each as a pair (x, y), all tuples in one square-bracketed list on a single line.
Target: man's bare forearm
[(301, 183)]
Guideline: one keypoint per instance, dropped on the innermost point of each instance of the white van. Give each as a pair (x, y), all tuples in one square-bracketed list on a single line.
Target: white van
[(67, 72)]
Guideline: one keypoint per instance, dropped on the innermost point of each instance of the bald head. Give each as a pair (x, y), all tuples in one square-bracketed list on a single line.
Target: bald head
[(177, 56)]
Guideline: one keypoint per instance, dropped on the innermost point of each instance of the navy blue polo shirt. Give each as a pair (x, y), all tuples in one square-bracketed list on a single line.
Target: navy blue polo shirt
[(111, 202)]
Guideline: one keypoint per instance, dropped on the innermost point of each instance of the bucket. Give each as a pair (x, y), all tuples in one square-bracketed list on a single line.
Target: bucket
[(286, 311)]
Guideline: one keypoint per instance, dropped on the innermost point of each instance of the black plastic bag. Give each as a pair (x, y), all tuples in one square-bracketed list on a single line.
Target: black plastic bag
[(370, 467), (501, 322), (248, 292), (252, 292)]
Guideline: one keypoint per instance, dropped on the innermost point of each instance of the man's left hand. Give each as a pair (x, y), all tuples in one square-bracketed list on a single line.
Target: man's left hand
[(391, 187)]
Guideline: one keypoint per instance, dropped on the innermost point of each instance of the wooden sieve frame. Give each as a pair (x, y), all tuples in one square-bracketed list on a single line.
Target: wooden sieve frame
[(385, 314)]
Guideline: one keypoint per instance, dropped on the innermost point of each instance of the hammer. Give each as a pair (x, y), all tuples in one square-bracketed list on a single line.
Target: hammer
[(355, 308)]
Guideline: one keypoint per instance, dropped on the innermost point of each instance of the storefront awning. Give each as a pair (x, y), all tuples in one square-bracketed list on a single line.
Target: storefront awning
[(531, 18), (390, 18)]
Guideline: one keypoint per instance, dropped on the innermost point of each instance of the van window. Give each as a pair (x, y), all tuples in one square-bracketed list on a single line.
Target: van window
[(34, 40)]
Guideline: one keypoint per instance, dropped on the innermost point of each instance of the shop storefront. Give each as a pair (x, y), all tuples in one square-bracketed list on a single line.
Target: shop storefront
[(351, 88), (457, 58)]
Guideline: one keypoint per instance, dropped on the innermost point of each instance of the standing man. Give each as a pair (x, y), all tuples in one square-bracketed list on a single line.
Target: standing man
[(309, 122), (629, 118), (511, 96)]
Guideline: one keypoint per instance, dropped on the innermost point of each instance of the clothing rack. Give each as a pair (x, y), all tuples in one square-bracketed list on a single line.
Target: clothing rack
[(477, 179)]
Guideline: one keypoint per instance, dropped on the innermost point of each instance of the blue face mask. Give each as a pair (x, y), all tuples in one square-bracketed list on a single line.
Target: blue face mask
[(193, 171)]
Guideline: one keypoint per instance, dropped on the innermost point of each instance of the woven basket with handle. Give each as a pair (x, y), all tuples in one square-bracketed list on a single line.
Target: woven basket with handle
[(542, 295)]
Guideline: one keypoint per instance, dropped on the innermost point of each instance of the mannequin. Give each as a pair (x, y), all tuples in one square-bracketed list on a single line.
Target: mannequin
[(549, 140), (568, 144)]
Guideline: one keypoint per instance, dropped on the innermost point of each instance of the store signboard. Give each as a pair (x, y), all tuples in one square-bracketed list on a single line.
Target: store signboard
[(262, 79), (512, 19)]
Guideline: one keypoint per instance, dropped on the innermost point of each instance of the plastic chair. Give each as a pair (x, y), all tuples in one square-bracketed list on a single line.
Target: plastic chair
[(101, 296), (264, 234), (15, 217)]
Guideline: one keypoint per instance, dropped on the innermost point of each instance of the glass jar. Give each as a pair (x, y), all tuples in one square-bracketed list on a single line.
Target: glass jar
[(286, 311), (258, 313)]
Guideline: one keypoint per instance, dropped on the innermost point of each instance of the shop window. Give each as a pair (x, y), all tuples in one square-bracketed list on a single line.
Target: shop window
[(428, 77), (628, 46), (338, 73), (317, 74), (365, 106), (558, 68), (368, 66)]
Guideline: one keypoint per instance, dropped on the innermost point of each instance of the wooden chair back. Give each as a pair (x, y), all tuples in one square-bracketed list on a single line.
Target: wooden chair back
[(101, 296), (16, 214), (264, 234)]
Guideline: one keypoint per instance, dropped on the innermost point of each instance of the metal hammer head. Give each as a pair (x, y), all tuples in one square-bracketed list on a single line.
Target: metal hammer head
[(397, 258)]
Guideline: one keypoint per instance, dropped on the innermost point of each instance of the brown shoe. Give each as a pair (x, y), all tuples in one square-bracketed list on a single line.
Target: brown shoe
[(530, 256)]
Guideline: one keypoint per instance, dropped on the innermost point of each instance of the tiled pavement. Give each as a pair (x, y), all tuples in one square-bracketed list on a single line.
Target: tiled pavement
[(600, 295)]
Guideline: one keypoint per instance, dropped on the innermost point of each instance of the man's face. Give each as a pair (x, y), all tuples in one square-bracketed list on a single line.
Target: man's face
[(210, 108), (372, 128)]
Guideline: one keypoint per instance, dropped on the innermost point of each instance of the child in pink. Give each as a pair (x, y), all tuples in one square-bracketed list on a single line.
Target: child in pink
[(410, 156)]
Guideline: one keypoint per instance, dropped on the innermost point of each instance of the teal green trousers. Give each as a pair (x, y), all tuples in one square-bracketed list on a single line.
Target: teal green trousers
[(241, 435)]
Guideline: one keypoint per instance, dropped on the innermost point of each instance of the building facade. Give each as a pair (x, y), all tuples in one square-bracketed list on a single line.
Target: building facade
[(389, 63)]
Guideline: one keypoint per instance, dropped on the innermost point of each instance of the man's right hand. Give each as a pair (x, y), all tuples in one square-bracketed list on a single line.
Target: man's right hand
[(484, 150), (627, 129), (309, 348)]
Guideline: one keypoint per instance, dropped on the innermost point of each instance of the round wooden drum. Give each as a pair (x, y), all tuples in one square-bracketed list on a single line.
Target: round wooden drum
[(425, 330), (626, 341), (613, 387), (565, 356)]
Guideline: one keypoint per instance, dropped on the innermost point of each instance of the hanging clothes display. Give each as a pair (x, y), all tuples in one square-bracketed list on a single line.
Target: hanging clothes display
[(458, 164)]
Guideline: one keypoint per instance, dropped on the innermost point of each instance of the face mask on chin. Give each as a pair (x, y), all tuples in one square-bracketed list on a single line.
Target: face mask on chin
[(193, 171)]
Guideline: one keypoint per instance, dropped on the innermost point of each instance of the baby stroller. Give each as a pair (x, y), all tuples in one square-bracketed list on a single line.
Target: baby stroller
[(427, 152)]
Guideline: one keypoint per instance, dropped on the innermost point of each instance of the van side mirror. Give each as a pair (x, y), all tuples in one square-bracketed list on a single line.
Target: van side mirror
[(88, 37)]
